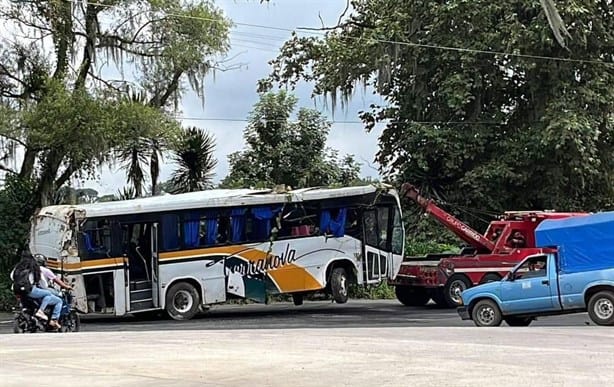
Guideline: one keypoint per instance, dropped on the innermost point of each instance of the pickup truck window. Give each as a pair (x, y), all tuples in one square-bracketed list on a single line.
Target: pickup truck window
[(532, 268)]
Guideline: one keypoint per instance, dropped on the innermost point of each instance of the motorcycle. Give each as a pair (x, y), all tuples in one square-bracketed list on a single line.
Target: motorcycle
[(25, 320)]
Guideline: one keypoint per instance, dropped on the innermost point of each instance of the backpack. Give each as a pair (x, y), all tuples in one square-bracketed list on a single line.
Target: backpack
[(22, 284)]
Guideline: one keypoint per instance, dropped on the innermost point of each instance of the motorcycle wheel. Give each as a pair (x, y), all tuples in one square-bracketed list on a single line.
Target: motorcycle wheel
[(20, 325), (71, 322)]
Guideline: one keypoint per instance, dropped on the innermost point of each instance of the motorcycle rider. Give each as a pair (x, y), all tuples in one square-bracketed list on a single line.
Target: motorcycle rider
[(45, 296), (47, 276)]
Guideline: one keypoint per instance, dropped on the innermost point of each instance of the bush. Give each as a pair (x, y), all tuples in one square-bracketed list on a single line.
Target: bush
[(16, 208)]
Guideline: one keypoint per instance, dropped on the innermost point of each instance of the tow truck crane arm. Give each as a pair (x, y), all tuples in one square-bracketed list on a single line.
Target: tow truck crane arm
[(460, 229)]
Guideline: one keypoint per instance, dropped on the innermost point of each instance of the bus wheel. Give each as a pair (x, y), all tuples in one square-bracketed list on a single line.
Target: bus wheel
[(339, 285), (601, 308), (411, 296), (182, 301), (453, 289)]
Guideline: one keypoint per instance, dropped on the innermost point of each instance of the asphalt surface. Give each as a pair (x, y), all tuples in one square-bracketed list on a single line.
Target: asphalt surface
[(311, 315)]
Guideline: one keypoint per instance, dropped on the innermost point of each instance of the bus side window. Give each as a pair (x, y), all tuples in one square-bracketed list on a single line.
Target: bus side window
[(383, 215), (370, 227), (170, 232), (352, 223)]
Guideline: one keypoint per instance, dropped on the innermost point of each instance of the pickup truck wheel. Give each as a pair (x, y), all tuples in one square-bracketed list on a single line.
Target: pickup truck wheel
[(411, 296), (518, 321), (601, 308), (486, 313), (453, 289)]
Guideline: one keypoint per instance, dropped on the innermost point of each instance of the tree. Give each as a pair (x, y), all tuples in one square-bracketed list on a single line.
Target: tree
[(195, 161), (61, 109), (475, 126), (69, 195), (283, 152)]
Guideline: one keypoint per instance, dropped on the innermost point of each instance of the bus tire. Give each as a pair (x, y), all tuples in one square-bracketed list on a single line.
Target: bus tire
[(182, 301), (339, 285), (601, 308), (411, 296), (453, 289)]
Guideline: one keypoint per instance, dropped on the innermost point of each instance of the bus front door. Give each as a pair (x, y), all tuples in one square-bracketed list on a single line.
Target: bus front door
[(375, 260), (141, 240)]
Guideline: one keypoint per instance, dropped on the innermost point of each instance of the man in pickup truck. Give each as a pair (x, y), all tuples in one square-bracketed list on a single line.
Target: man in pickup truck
[(537, 268)]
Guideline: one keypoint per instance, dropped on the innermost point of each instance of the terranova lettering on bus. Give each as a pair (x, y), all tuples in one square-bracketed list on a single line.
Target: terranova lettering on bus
[(261, 266)]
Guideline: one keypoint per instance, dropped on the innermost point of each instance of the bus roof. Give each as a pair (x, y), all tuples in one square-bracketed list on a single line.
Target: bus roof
[(204, 199)]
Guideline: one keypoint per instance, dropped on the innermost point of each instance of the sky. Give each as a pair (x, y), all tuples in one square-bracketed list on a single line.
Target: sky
[(230, 95)]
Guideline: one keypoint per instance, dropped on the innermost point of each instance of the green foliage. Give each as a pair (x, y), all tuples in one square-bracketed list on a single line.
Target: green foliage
[(382, 291), (280, 151), (16, 206), (48, 102), (195, 161), (491, 132)]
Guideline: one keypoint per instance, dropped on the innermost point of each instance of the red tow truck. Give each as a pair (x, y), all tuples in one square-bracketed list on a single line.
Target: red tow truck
[(489, 257)]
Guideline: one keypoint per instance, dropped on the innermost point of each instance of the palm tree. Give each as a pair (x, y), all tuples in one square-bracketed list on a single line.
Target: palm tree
[(555, 21), (194, 157), (140, 152)]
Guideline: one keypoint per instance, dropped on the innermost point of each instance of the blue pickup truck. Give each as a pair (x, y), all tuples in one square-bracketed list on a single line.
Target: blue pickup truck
[(574, 274)]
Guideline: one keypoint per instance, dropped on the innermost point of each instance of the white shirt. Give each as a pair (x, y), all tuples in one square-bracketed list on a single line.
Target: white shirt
[(47, 276)]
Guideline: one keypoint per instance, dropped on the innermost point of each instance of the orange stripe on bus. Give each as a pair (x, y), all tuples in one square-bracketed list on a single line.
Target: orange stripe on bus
[(292, 278), (249, 253), (85, 264)]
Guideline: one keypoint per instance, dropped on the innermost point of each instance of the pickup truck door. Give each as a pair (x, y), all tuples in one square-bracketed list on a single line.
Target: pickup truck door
[(529, 290)]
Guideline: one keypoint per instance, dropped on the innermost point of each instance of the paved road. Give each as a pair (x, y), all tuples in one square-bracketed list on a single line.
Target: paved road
[(382, 356), (354, 314)]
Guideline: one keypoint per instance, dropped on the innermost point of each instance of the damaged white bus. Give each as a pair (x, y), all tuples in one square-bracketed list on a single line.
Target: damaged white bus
[(180, 253)]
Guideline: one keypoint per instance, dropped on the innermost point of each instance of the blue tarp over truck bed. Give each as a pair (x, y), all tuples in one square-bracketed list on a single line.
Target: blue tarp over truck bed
[(584, 242)]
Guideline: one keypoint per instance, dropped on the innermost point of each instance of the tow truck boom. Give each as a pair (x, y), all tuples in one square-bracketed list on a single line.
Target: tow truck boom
[(462, 230)]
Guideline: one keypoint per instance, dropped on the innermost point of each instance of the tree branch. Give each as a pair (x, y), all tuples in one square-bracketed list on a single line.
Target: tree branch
[(7, 169), (91, 24), (63, 178), (159, 101)]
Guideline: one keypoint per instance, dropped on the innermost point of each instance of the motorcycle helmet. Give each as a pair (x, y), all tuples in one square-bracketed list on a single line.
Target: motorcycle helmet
[(40, 259)]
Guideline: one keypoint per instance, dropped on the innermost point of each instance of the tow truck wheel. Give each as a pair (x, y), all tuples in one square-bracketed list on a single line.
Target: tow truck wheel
[(486, 314), (453, 289), (411, 296), (490, 277), (601, 308)]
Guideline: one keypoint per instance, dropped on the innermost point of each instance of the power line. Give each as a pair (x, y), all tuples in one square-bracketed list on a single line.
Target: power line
[(220, 119), (387, 41)]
